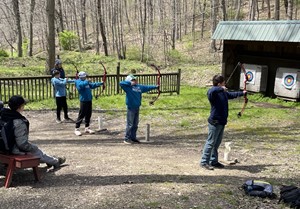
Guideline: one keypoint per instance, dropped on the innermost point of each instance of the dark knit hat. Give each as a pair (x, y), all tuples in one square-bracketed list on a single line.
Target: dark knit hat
[(16, 101)]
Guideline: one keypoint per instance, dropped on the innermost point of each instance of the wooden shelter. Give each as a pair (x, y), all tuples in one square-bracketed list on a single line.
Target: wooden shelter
[(271, 43)]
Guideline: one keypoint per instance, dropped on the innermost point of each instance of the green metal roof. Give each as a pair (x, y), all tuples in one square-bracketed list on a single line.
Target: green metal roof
[(277, 31)]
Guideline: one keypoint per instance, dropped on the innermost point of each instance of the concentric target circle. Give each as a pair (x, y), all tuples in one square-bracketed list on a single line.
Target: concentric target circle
[(250, 76), (289, 80)]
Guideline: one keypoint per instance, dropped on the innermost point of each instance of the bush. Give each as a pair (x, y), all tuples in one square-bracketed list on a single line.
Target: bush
[(3, 53), (68, 40), (174, 56)]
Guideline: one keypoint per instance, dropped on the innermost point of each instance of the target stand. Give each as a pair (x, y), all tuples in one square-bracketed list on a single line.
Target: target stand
[(287, 85), (257, 76)]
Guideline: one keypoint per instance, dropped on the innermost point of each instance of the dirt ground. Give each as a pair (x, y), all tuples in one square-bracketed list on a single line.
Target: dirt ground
[(103, 172)]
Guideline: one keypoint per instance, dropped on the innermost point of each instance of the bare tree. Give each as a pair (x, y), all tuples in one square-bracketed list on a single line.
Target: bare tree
[(32, 5), (277, 10), (102, 29), (16, 10), (83, 21), (214, 13), (51, 33), (289, 10), (60, 17)]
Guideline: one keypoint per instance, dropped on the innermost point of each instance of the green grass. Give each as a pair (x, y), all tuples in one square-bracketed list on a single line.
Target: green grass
[(191, 109)]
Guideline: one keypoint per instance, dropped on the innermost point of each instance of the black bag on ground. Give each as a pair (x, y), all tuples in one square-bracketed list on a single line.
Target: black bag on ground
[(290, 195), (258, 189)]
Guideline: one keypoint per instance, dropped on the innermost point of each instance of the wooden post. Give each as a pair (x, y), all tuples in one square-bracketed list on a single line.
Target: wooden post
[(147, 133), (118, 78), (178, 81)]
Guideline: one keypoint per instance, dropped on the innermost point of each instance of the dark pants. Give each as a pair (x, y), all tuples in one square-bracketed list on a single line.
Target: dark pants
[(61, 103), (85, 112), (132, 123)]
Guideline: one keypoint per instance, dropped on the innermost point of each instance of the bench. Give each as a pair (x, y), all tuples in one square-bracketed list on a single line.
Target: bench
[(19, 161)]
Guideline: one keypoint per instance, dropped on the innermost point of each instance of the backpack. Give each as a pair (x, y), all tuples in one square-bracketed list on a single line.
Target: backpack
[(290, 195), (258, 189), (7, 138)]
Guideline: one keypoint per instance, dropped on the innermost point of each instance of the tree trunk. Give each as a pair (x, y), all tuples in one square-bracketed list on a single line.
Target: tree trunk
[(18, 25), (174, 27), (76, 25), (60, 17), (83, 22), (238, 10), (32, 5), (102, 29), (202, 12), (224, 10), (269, 9), (143, 26), (51, 33), (214, 11), (277, 10), (289, 13)]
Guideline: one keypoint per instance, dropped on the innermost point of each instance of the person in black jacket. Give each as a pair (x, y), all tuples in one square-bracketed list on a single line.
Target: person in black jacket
[(19, 133), (218, 97)]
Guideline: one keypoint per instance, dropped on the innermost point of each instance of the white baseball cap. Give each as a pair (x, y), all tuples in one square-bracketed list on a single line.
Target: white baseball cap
[(82, 74)]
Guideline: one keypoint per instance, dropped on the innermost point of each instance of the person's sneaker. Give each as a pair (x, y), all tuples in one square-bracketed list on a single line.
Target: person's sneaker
[(218, 165), (58, 121), (88, 130), (135, 141), (77, 132), (61, 160), (127, 141), (207, 167)]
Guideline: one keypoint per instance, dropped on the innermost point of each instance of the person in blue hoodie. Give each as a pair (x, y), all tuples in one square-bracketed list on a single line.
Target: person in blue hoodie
[(133, 101), (84, 87), (59, 85), (218, 97)]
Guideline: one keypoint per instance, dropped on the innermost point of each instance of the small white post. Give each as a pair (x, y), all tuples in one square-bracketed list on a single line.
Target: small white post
[(227, 151), (100, 123), (147, 133)]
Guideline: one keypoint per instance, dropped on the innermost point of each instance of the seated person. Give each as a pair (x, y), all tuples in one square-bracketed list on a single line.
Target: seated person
[(20, 133)]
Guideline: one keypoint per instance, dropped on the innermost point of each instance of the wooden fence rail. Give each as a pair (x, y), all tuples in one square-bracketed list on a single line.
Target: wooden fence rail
[(39, 87)]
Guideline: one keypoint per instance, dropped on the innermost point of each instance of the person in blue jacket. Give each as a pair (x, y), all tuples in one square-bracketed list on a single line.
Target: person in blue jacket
[(59, 85), (84, 87), (133, 101), (218, 97)]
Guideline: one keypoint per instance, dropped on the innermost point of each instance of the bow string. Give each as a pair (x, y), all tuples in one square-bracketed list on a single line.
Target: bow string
[(244, 89), (157, 83)]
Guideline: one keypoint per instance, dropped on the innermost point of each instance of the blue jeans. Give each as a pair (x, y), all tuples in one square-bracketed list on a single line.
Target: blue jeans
[(132, 123), (214, 139)]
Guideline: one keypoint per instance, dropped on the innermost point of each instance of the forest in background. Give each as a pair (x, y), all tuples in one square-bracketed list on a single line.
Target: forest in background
[(142, 30)]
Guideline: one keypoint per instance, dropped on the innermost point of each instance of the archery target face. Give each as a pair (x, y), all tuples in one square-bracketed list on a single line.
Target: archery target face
[(289, 80), (250, 76)]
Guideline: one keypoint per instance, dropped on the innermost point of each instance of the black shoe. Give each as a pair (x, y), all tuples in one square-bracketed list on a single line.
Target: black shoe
[(68, 120), (127, 141), (136, 141), (218, 165), (61, 160), (207, 167)]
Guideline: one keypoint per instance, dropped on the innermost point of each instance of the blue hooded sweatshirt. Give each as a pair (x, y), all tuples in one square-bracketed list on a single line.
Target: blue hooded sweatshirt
[(60, 86), (84, 88), (218, 99), (134, 93)]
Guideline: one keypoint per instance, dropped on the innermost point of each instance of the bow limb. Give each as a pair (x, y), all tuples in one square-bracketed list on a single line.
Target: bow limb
[(245, 89), (103, 79), (157, 83), (104, 76)]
